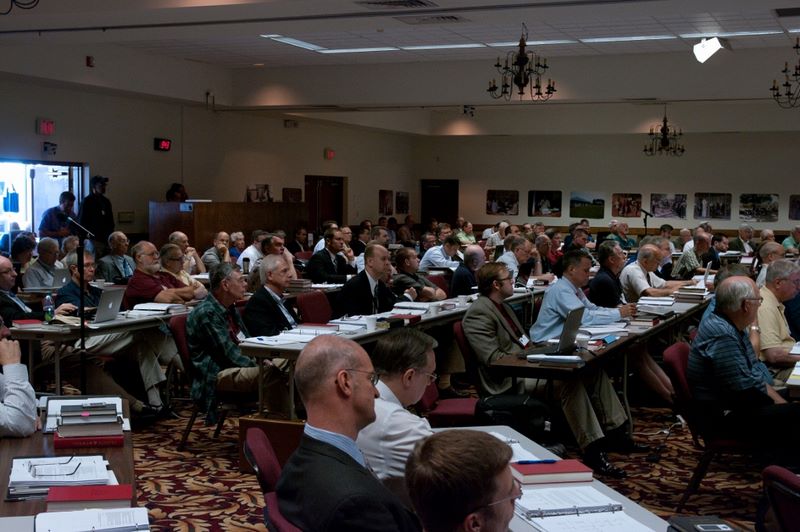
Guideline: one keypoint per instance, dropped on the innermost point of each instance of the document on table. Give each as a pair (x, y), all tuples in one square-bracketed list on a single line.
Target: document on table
[(795, 351), (54, 405), (519, 452), (664, 301), (592, 522), (110, 520), (564, 501), (84, 470), (602, 330)]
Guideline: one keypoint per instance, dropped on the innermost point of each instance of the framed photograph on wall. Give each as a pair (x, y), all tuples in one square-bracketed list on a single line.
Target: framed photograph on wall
[(502, 202), (712, 206), (544, 203), (401, 202), (758, 207), (624, 205), (587, 205), (668, 205), (385, 203), (292, 195), (794, 207)]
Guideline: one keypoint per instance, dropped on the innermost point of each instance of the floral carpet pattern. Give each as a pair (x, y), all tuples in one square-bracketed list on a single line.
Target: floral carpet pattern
[(201, 488)]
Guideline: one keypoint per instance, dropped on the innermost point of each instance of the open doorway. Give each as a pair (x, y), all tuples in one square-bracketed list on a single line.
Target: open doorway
[(28, 188)]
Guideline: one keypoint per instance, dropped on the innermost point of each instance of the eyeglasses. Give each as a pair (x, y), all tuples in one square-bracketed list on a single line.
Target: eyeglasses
[(504, 279), (374, 376), (155, 254), (5, 272), (431, 376), (516, 496), (177, 258), (759, 299)]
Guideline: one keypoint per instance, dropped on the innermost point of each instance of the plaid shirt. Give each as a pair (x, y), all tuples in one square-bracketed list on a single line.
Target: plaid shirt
[(211, 333)]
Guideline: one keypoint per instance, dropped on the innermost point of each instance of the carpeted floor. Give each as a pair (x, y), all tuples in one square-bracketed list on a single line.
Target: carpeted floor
[(201, 489)]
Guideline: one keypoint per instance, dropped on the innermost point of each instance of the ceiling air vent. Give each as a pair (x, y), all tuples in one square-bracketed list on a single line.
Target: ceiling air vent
[(788, 12), (432, 19), (396, 4)]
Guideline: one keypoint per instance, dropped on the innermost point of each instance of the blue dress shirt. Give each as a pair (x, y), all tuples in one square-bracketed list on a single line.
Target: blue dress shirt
[(559, 300)]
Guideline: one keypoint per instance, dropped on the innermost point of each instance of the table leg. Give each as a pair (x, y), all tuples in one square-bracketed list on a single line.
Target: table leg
[(30, 362), (625, 402)]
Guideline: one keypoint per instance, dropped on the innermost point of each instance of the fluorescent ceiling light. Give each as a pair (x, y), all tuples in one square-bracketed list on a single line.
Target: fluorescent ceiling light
[(358, 50), (297, 43), (708, 47), (270, 35), (530, 43), (729, 34), (443, 46), (632, 38), (796, 30)]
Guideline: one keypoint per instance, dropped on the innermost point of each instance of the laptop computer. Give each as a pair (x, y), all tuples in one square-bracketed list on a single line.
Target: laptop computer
[(61, 277), (109, 305), (566, 342)]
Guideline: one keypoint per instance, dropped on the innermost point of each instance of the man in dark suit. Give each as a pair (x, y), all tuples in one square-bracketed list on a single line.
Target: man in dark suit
[(326, 484), (463, 279), (367, 293), (266, 313), (116, 267), (326, 265), (360, 243)]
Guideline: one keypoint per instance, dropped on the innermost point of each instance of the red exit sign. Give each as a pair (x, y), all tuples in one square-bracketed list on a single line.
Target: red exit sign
[(162, 144), (45, 127)]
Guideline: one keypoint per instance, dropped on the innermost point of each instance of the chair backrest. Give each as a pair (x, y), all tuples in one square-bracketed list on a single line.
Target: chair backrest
[(470, 359), (429, 398), (261, 456), (441, 282), (676, 360), (303, 255), (314, 307), (275, 520), (177, 326), (783, 491)]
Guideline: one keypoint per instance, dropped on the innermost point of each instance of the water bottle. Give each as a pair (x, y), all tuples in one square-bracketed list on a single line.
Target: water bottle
[(246, 266), (49, 308)]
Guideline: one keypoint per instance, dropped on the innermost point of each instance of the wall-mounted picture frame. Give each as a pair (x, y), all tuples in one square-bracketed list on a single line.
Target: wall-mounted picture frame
[(758, 207), (544, 203), (668, 205), (712, 206), (385, 202), (587, 205), (626, 205), (401, 202), (794, 207), (292, 195), (502, 202)]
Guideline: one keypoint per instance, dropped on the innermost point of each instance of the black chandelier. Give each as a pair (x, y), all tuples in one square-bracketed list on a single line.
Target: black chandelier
[(788, 97), (664, 139), (524, 69)]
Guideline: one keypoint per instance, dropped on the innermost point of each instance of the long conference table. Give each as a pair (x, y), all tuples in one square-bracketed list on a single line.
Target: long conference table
[(633, 510), (262, 351)]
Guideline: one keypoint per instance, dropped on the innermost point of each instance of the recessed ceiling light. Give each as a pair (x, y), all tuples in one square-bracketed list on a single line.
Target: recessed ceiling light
[(632, 38), (729, 34), (530, 43), (297, 43), (357, 50), (443, 46)]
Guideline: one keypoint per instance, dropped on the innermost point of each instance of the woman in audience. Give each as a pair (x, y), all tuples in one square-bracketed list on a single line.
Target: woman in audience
[(237, 245)]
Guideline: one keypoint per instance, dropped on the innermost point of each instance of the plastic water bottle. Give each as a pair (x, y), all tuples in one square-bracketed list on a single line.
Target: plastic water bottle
[(49, 308)]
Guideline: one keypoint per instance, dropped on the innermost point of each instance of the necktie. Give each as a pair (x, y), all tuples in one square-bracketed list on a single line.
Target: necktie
[(375, 300), (21, 304), (126, 268), (335, 264)]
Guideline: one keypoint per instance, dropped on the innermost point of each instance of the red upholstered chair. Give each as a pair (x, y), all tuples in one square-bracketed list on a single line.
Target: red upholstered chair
[(470, 359), (303, 255), (782, 488), (225, 402), (676, 362), (259, 452), (456, 412), (314, 307), (441, 282), (273, 517)]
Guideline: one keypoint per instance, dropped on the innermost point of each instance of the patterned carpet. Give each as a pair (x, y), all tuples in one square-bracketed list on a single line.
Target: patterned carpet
[(201, 489)]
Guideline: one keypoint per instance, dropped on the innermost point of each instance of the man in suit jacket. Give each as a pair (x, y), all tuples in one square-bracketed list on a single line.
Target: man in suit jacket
[(743, 243), (367, 292), (116, 267), (326, 265), (336, 381), (266, 313)]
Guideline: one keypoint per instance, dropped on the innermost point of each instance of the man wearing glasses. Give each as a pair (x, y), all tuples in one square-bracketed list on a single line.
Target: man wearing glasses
[(326, 484), (149, 284), (731, 389), (172, 260), (477, 464), (774, 339), (406, 363), (116, 267)]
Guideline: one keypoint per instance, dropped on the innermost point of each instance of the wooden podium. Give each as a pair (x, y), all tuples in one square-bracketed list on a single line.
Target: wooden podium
[(201, 221)]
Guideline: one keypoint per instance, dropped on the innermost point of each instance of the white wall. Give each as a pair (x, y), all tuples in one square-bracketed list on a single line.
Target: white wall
[(736, 163)]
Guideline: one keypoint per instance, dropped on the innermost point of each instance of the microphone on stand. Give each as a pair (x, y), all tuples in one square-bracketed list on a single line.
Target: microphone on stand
[(646, 212), (72, 220)]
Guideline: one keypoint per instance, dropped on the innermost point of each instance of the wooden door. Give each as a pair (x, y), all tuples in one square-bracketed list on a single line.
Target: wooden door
[(325, 200), (439, 200)]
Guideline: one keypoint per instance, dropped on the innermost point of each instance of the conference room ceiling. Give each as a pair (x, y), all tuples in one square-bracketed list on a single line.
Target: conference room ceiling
[(229, 33)]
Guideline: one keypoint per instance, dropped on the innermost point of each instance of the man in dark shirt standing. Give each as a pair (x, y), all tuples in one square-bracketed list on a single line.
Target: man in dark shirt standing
[(54, 222), (96, 215)]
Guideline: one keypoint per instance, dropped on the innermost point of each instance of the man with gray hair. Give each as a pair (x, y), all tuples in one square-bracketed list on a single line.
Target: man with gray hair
[(116, 267), (792, 242), (267, 313), (192, 263), (742, 243), (214, 331), (336, 381), (731, 389), (639, 279), (41, 271), (689, 264), (218, 252), (775, 340), (768, 253), (464, 281)]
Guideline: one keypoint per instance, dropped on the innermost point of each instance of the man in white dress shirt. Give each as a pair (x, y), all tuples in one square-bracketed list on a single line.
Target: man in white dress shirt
[(253, 251), (441, 256), (42, 270), (638, 278), (406, 363)]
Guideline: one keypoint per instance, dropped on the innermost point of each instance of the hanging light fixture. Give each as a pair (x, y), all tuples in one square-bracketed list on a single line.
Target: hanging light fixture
[(523, 69), (664, 139), (786, 94)]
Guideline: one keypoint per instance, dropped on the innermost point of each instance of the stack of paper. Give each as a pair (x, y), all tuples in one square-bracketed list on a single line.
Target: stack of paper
[(116, 520), (34, 476), (666, 301)]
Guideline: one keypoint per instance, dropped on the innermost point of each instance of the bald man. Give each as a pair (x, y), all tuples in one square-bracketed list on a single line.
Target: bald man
[(336, 381)]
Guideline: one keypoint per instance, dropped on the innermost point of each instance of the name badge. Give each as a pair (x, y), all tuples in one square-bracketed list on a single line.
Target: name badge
[(240, 336), (524, 340)]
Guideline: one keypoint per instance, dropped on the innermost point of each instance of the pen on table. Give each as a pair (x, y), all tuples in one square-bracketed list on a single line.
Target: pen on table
[(531, 462)]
